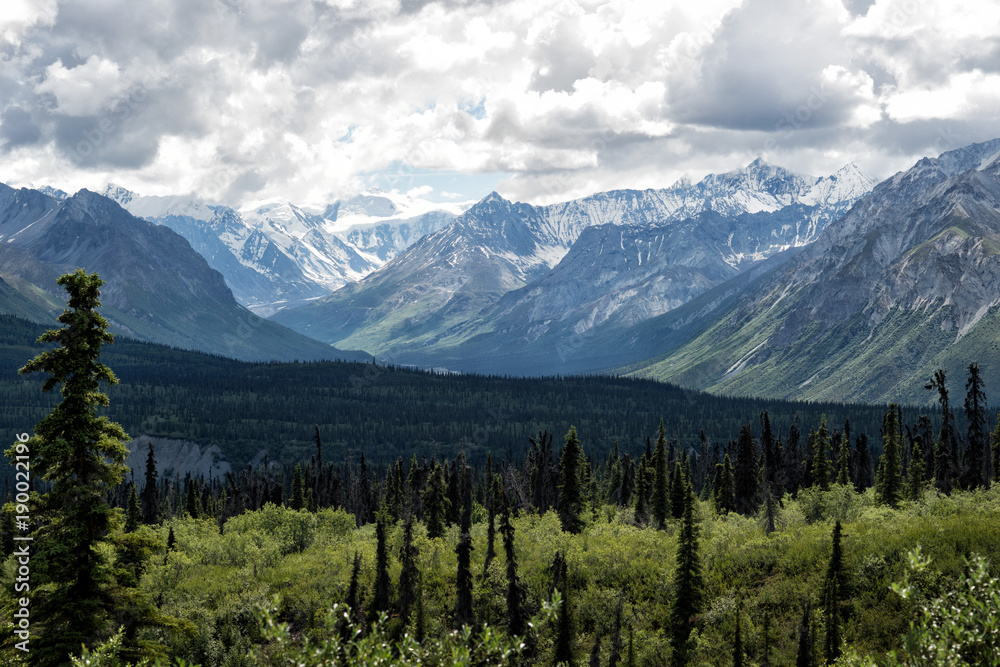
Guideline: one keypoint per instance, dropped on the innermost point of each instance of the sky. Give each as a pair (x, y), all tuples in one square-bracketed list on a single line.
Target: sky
[(307, 101)]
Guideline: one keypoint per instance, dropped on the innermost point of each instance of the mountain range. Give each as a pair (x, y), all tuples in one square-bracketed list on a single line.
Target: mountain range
[(759, 281), (157, 288), (275, 254), (509, 287), (908, 281)]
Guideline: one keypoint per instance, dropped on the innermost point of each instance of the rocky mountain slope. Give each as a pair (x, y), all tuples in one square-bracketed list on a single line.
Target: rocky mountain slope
[(506, 269), (905, 283), (275, 254), (157, 287)]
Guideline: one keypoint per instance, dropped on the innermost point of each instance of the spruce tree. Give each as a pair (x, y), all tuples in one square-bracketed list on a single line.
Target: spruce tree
[(687, 583), (463, 583), (436, 503), (889, 478), (975, 412), (746, 471), (804, 654), (661, 506), (150, 492), (616, 637), (517, 622), (492, 499), (81, 457), (946, 448), (834, 590), (133, 514), (409, 574), (844, 459), (355, 603), (380, 600), (820, 460), (298, 489), (563, 650), (724, 497), (570, 495), (677, 492), (192, 502)]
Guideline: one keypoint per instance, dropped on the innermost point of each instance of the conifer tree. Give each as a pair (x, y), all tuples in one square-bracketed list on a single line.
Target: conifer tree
[(564, 623), (834, 590), (516, 593), (792, 459), (355, 602), (661, 506), (570, 500), (804, 654), (820, 460), (133, 514), (595, 652), (436, 502), (771, 452), (380, 601), (687, 583), (463, 583), (492, 498), (82, 457), (975, 413), (844, 459), (888, 482), (298, 490), (150, 492), (409, 574), (915, 473), (677, 492), (724, 498), (946, 448), (192, 502), (745, 473)]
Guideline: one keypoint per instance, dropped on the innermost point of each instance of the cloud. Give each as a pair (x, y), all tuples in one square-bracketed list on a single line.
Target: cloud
[(311, 99)]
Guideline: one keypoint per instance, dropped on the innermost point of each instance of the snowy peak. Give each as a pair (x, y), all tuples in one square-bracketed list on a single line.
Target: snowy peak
[(119, 194)]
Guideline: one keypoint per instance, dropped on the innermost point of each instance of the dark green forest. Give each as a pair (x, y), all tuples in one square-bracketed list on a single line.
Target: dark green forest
[(389, 412), (415, 518)]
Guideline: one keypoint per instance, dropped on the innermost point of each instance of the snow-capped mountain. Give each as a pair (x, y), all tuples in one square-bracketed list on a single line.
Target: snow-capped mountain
[(273, 254), (905, 283), (428, 295), (157, 288)]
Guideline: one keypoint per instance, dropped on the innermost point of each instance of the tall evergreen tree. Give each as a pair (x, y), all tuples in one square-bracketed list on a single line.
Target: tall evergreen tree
[(298, 489), (150, 492), (687, 583), (820, 459), (975, 413), (677, 491), (81, 456), (844, 459), (570, 494), (563, 650), (133, 513), (946, 449), (804, 653), (355, 602), (724, 496), (380, 600), (772, 457), (492, 499), (517, 622), (792, 459), (834, 590), (436, 503), (745, 473), (889, 478), (661, 504), (464, 614), (409, 573), (616, 637)]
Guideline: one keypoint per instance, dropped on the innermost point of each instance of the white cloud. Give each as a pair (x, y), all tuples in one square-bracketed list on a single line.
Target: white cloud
[(84, 90), (306, 100)]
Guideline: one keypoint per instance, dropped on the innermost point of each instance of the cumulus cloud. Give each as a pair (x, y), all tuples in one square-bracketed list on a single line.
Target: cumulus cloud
[(544, 99)]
